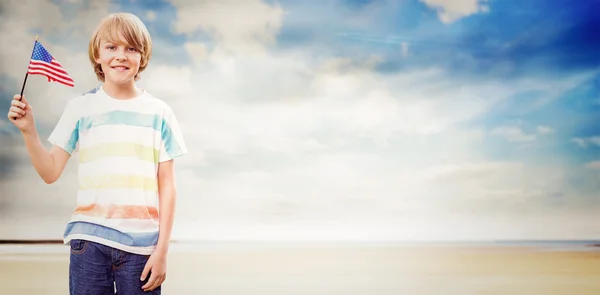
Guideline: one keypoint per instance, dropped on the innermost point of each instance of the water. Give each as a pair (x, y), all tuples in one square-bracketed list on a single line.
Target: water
[(235, 246)]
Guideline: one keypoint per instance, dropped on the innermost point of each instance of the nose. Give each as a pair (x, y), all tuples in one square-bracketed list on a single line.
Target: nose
[(120, 54)]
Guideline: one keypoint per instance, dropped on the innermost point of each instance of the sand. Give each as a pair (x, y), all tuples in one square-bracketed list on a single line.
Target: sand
[(342, 270)]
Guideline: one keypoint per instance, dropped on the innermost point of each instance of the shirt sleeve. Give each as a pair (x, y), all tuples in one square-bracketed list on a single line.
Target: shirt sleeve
[(173, 145), (66, 132)]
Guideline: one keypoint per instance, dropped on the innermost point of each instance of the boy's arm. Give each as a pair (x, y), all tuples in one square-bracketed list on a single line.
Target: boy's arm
[(166, 199), (49, 165), (167, 195)]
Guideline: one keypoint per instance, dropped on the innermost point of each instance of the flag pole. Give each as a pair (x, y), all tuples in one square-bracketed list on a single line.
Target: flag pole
[(27, 72)]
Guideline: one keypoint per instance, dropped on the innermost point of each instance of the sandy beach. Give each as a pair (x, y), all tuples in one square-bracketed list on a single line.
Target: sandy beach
[(339, 270)]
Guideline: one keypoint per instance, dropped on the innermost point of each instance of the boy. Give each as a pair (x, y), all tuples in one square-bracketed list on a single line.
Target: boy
[(126, 141)]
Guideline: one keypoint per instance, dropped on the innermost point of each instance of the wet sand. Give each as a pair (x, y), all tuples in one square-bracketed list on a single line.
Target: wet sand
[(342, 270)]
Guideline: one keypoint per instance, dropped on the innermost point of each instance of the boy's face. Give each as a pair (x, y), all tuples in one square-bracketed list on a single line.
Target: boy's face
[(120, 62)]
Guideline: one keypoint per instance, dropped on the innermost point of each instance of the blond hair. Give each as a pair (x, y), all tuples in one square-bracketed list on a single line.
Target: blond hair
[(115, 27)]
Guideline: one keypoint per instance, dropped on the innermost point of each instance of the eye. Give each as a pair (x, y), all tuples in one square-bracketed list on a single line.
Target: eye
[(111, 47), (132, 49)]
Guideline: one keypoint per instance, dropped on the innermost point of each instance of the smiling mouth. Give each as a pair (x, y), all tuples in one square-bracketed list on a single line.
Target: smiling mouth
[(121, 68)]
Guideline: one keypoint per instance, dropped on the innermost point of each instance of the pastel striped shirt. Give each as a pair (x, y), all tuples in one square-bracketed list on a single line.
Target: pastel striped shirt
[(119, 144)]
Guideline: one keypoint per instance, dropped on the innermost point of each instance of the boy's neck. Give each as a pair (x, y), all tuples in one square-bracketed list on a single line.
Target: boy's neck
[(124, 91)]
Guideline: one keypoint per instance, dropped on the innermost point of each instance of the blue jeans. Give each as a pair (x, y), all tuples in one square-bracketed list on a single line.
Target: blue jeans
[(97, 269)]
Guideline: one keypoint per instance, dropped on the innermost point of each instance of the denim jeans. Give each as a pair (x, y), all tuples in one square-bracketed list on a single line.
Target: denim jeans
[(97, 269)]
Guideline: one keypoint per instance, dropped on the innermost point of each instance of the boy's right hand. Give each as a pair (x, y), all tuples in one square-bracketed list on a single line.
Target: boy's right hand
[(21, 114)]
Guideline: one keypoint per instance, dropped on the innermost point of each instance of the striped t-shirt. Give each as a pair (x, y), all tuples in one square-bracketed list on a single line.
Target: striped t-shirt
[(119, 144)]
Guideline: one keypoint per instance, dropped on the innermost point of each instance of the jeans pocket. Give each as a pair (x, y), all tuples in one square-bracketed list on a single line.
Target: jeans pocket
[(78, 246)]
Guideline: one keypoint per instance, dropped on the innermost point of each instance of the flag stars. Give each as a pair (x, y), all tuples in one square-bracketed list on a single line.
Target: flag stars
[(40, 53)]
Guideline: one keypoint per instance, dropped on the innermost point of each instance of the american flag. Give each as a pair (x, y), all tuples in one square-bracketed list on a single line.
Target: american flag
[(42, 63)]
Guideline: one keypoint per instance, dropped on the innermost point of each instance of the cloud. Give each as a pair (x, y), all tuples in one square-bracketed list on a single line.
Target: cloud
[(151, 15), (87, 17), (511, 182), (237, 27), (404, 47), (544, 129), (452, 10), (197, 52), (587, 141), (595, 165), (319, 105), (18, 15), (513, 134), (167, 82)]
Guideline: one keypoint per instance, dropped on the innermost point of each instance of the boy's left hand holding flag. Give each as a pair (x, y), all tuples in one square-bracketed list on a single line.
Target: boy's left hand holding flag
[(41, 63)]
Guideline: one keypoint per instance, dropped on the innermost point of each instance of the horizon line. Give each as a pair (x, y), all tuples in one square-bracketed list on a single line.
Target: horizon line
[(60, 241)]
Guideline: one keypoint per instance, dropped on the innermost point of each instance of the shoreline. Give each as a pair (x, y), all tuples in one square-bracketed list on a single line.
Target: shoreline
[(29, 242), (311, 243), (52, 247)]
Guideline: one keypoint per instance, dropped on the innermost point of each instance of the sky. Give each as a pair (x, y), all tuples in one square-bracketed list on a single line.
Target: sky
[(338, 120)]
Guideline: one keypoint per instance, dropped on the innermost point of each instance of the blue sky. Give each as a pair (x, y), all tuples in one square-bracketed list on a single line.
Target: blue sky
[(355, 118)]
